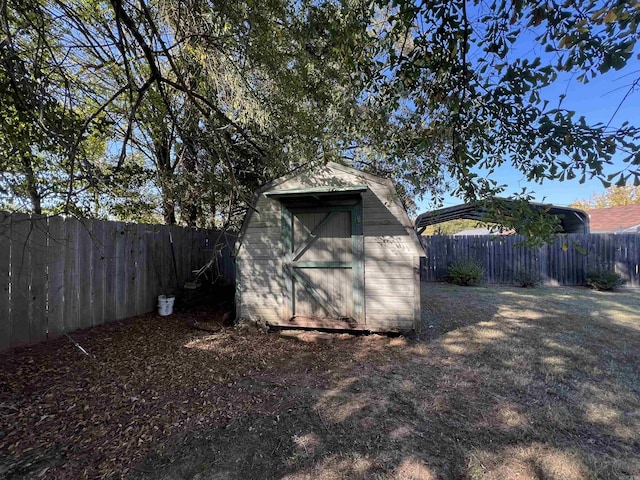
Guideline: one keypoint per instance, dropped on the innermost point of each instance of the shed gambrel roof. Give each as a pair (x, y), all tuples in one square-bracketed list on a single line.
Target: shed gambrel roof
[(271, 189)]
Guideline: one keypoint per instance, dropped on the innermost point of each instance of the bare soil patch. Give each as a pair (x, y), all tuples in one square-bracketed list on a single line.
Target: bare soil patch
[(503, 383)]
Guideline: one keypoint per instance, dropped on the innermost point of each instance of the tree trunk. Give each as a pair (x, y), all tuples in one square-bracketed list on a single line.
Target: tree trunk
[(168, 212), (32, 187), (165, 177)]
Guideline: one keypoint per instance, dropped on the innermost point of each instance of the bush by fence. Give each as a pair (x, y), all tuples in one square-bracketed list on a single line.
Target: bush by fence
[(59, 274), (564, 262)]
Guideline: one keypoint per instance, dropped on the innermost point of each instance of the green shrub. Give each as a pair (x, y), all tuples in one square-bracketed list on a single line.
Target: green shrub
[(527, 278), (465, 272), (603, 279)]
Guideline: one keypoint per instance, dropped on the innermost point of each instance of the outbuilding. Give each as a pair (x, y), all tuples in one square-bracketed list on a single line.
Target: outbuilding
[(329, 247)]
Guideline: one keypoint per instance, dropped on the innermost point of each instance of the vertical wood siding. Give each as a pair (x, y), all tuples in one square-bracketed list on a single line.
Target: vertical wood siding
[(564, 262), (61, 274)]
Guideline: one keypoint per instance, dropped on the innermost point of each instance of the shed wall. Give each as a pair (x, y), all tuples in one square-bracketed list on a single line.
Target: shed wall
[(391, 262), (392, 251)]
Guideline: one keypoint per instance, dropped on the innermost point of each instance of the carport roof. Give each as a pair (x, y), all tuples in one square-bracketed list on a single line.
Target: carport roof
[(572, 220)]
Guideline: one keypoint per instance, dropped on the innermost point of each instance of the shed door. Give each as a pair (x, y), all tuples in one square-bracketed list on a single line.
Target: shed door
[(323, 267)]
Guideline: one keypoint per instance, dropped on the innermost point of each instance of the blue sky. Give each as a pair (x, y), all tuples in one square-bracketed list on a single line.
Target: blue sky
[(597, 101)]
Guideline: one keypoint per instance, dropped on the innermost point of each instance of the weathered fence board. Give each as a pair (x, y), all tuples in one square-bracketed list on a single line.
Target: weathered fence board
[(55, 281), (130, 273), (564, 262), (20, 237), (121, 270), (97, 274), (71, 289), (5, 269), (141, 285), (38, 288), (59, 274), (110, 270), (84, 260)]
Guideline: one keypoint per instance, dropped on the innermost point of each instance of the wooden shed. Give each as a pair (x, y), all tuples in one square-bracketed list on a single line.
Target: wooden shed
[(330, 247)]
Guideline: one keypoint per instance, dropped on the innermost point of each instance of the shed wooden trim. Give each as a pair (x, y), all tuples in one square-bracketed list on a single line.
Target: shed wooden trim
[(316, 191)]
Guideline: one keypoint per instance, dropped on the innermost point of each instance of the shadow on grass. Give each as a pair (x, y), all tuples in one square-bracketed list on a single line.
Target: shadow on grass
[(518, 383), (515, 383)]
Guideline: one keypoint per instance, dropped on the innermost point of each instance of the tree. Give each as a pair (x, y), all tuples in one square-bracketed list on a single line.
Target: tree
[(612, 197), (199, 102), (55, 126), (215, 99), (37, 118), (454, 97)]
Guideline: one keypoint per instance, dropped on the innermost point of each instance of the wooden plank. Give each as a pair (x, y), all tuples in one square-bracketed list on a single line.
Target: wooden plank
[(390, 302), (152, 268), (321, 209), (85, 265), (71, 287), (131, 272), (173, 258), (166, 276), (56, 277), (323, 301), (238, 291), (417, 311), (394, 230), (375, 273), (262, 300), (5, 268), (98, 273), (305, 244), (543, 264), (330, 323), (178, 245), (197, 252), (191, 260), (322, 265), (20, 279), (357, 245), (286, 228), (250, 310), (39, 278), (394, 289), (120, 239), (392, 318), (111, 238), (142, 297), (379, 324)]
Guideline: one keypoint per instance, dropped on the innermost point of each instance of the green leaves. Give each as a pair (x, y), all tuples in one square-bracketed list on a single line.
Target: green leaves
[(212, 99)]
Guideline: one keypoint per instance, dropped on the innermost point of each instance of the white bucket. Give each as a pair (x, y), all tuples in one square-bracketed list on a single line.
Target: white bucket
[(165, 305)]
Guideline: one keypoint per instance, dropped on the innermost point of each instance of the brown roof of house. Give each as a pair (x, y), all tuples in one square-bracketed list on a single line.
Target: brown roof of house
[(615, 219)]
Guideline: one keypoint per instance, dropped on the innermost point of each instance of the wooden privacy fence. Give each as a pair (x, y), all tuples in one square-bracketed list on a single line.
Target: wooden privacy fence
[(60, 274), (565, 262)]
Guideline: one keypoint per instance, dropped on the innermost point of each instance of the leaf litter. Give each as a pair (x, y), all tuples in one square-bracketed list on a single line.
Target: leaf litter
[(522, 385)]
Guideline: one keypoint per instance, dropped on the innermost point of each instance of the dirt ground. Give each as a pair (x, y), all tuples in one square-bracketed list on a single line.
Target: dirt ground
[(503, 383)]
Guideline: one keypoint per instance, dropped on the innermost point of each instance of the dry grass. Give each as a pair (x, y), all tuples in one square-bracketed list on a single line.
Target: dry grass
[(506, 383)]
